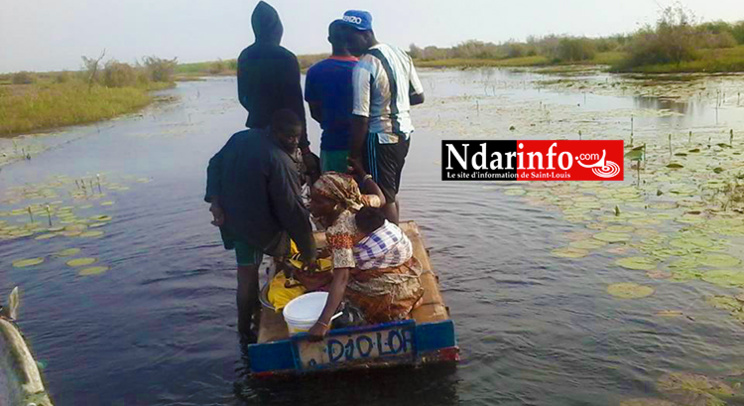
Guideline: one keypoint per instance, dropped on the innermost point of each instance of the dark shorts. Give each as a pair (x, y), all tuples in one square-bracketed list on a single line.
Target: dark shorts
[(247, 255), (385, 163)]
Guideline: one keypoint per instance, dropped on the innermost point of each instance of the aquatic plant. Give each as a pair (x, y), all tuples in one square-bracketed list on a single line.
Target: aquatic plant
[(694, 390), (629, 290)]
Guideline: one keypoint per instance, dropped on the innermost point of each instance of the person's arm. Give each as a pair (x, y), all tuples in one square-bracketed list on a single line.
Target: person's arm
[(367, 186), (316, 111), (292, 97), (371, 193), (284, 194), (242, 83), (312, 95), (335, 295), (359, 129), (417, 98), (214, 185), (416, 88), (361, 79)]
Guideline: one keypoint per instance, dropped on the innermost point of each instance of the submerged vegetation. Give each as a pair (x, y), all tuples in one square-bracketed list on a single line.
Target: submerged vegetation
[(37, 101)]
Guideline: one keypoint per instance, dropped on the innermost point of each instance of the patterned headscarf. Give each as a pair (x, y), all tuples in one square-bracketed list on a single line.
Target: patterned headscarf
[(341, 188)]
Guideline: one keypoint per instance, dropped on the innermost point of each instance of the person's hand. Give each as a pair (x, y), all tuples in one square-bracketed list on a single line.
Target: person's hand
[(309, 264), (217, 214), (312, 165), (325, 252), (318, 331), (355, 167)]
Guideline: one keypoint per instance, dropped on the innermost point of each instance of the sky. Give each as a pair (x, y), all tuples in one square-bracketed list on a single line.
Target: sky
[(50, 35)]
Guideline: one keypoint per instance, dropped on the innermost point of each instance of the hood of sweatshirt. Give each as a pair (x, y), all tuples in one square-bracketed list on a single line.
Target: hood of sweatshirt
[(266, 24)]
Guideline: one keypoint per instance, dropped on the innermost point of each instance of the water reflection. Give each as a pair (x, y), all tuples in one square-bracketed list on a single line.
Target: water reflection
[(433, 385)]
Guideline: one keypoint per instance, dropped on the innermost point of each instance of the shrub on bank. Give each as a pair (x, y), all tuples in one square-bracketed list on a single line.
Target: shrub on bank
[(672, 41), (737, 30), (117, 74), (160, 70), (23, 78), (217, 67), (63, 77), (574, 50)]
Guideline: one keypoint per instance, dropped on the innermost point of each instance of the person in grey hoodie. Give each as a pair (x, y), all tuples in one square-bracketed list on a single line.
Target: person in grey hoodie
[(253, 189), (269, 79)]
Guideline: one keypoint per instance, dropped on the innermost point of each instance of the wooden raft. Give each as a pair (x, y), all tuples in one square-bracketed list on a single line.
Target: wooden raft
[(432, 308)]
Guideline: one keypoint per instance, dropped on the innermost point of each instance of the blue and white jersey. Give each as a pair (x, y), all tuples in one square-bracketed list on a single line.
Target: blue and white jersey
[(383, 80)]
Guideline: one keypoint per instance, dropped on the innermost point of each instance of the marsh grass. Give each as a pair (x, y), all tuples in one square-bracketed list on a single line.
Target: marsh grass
[(599, 58), (472, 63), (229, 67), (27, 108), (47, 100), (709, 61)]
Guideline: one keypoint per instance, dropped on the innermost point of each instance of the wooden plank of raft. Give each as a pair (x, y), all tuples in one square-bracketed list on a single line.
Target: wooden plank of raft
[(272, 327), (432, 305)]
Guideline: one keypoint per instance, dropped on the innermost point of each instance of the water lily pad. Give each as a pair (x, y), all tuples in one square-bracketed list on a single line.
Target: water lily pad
[(20, 234), (80, 262), (644, 221), (659, 274), (108, 203), (587, 244), (94, 270), (622, 250), (724, 303), (629, 290), (638, 263), (693, 243), (612, 237), (90, 234), (569, 252), (68, 252), (101, 218), (646, 232), (620, 229), (22, 263), (663, 205), (577, 235), (76, 227), (45, 236), (718, 260), (684, 275), (689, 219), (724, 277)]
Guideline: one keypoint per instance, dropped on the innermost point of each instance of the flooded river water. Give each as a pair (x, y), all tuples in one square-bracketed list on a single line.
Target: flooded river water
[(524, 268)]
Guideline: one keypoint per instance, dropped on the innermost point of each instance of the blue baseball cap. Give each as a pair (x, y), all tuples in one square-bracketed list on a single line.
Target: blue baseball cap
[(360, 20)]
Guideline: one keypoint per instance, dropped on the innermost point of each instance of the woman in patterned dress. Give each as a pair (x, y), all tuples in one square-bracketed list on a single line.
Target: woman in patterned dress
[(383, 293)]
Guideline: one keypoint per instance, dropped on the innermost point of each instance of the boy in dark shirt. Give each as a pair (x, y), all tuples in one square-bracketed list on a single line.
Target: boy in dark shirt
[(254, 190)]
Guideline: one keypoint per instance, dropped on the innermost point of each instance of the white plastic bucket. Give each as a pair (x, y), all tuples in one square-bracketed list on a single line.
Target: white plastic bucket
[(302, 312)]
